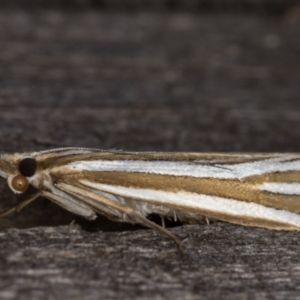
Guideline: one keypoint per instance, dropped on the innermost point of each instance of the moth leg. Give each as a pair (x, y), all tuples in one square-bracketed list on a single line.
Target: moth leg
[(93, 205), (75, 190), (207, 220), (163, 223), (20, 205), (70, 204), (175, 216)]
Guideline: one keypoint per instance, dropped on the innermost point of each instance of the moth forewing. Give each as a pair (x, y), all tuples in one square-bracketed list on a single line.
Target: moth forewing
[(250, 189), (229, 187)]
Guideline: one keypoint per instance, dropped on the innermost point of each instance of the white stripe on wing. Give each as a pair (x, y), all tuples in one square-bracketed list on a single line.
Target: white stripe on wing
[(202, 202), (287, 188), (193, 168)]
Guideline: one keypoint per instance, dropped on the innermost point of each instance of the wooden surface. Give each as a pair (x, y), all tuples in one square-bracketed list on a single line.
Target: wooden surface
[(146, 81)]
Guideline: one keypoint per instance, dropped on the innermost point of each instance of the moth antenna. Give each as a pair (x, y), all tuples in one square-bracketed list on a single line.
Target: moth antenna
[(20, 205)]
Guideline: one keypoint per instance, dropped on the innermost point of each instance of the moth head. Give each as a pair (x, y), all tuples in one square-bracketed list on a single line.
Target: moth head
[(19, 171)]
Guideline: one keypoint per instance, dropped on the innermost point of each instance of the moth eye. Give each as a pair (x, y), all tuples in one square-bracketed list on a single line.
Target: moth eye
[(27, 166), (20, 183)]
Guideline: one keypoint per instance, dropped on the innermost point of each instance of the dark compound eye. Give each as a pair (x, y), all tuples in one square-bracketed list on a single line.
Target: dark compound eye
[(27, 167)]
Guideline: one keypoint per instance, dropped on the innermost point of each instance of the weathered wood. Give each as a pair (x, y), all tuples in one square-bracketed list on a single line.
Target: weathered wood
[(268, 6), (147, 81), (221, 261)]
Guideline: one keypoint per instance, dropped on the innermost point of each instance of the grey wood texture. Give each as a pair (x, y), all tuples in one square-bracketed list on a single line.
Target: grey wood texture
[(269, 6), (146, 81)]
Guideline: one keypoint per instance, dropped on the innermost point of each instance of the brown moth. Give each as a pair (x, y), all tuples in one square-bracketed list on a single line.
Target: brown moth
[(249, 189)]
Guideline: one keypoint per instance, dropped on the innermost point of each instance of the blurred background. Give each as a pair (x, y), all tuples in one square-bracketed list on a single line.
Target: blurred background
[(160, 75)]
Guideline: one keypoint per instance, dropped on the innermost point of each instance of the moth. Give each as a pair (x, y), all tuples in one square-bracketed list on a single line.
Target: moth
[(255, 189)]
